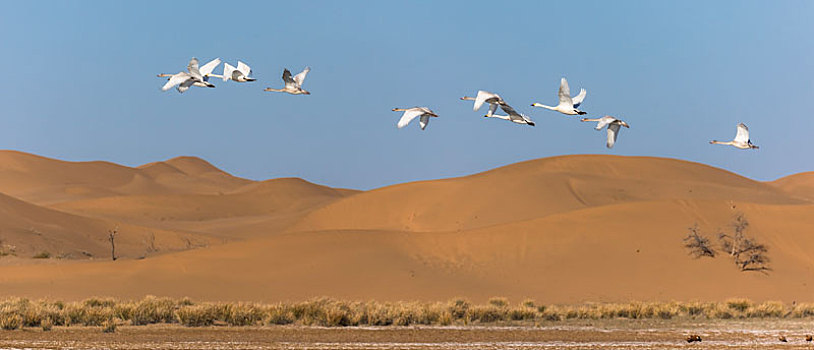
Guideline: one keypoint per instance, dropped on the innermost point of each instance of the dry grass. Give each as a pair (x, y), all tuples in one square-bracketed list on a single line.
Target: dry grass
[(107, 313)]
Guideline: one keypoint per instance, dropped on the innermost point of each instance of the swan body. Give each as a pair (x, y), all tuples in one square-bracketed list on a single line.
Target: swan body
[(411, 113), (194, 76), (239, 74), (741, 140), (568, 105), (613, 125), (293, 85), (485, 97), (513, 116)]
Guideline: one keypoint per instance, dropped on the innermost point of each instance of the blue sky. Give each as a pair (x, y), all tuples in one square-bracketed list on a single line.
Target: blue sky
[(80, 84)]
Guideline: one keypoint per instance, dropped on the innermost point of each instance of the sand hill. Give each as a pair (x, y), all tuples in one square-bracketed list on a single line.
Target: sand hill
[(562, 229)]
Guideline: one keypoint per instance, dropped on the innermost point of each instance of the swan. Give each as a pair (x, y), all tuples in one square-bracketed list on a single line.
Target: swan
[(613, 125), (513, 116), (741, 140), (411, 113), (293, 85), (239, 74), (194, 76), (485, 96), (568, 105)]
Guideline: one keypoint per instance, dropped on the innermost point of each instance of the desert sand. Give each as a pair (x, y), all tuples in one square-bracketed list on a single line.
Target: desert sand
[(565, 229)]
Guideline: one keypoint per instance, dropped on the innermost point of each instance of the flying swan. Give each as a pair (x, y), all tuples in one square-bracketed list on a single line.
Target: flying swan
[(568, 105), (194, 76), (513, 116), (741, 140), (293, 85), (411, 113), (485, 96), (613, 125)]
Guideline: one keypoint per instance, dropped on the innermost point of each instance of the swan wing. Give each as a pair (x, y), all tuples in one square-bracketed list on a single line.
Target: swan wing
[(244, 68), (604, 121), (743, 133), (508, 109), (577, 100), (408, 116), (194, 72), (227, 71), (300, 77), (425, 119), (613, 132), (492, 109), (185, 85), (209, 67), (175, 79), (565, 92), (482, 97), (287, 77)]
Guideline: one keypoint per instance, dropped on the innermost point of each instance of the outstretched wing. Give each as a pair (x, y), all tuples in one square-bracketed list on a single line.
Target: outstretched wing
[(508, 109), (244, 68), (192, 67), (743, 133), (287, 77), (175, 79), (408, 116), (227, 71), (425, 119), (577, 100), (209, 67), (185, 85), (613, 132), (492, 109), (482, 97), (565, 92), (604, 121), (299, 78)]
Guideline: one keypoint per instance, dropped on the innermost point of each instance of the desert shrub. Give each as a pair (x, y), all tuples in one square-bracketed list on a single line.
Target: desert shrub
[(46, 324), (528, 303), (487, 313), (803, 310), (499, 302), (459, 308), (42, 255), (10, 321), (739, 305), (197, 315), (767, 309), (279, 314), (698, 245), (153, 310), (243, 314), (522, 312), (110, 325)]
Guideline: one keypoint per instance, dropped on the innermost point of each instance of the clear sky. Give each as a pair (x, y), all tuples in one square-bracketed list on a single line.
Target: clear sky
[(79, 83)]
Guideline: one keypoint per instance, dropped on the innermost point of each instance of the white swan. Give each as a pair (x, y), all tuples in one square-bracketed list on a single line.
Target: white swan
[(513, 116), (613, 125), (741, 140), (411, 113), (293, 85), (568, 105), (485, 96), (239, 74), (194, 76)]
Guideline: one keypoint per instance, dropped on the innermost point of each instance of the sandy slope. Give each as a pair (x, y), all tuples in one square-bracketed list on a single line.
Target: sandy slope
[(797, 185), (563, 229)]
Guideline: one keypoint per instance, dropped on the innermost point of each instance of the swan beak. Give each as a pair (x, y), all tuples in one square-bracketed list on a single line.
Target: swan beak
[(307, 93), (584, 120), (394, 109)]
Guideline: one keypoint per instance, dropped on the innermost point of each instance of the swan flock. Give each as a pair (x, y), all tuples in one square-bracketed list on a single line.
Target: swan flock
[(568, 105)]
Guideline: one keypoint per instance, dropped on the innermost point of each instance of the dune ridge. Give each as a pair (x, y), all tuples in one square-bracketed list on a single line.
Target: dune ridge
[(566, 229)]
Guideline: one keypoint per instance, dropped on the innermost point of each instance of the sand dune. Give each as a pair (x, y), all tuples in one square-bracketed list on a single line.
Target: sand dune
[(560, 230), (43, 180), (535, 189), (797, 185)]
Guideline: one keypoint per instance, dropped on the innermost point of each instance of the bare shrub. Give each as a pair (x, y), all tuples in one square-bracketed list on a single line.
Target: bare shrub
[(698, 245), (747, 253)]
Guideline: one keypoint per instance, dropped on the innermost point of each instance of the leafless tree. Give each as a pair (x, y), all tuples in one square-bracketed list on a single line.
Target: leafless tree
[(111, 235), (748, 254), (698, 245)]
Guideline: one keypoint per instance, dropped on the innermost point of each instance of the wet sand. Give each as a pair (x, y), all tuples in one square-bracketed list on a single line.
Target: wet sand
[(613, 334)]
